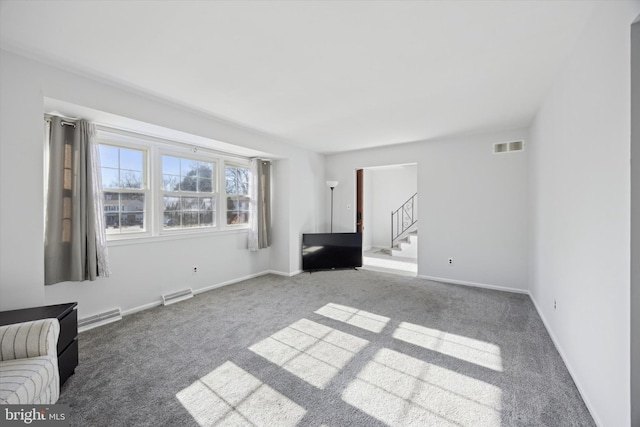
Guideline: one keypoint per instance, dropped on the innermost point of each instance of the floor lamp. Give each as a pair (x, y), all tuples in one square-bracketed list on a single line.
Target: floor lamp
[(332, 185)]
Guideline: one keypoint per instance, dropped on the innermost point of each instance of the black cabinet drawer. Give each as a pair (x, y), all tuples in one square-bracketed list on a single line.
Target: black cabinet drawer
[(67, 361), (68, 330)]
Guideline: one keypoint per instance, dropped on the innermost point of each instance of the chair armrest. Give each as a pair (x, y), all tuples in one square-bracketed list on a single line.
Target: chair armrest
[(29, 339)]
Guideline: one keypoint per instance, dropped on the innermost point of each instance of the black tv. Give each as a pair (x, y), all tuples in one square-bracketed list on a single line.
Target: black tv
[(330, 251)]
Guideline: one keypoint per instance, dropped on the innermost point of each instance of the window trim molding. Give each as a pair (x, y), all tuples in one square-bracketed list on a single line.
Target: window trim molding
[(155, 148)]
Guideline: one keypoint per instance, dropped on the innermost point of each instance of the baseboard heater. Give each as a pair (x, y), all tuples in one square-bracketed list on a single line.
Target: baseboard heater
[(99, 320), (177, 296)]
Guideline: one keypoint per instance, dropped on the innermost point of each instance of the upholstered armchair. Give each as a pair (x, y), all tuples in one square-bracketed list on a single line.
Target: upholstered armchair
[(29, 362)]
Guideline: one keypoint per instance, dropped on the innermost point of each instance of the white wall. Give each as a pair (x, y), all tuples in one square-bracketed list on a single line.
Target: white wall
[(635, 223), (472, 204), (390, 188), (580, 190), (141, 272)]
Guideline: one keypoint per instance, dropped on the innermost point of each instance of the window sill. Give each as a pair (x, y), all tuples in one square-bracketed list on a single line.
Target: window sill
[(174, 235)]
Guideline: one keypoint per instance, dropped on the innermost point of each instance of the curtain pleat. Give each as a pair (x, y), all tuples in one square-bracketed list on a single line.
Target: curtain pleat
[(75, 241), (260, 190)]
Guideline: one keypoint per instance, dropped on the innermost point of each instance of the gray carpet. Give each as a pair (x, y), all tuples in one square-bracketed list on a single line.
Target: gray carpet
[(338, 348)]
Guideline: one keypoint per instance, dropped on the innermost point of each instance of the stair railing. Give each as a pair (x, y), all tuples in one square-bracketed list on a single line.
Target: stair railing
[(403, 218)]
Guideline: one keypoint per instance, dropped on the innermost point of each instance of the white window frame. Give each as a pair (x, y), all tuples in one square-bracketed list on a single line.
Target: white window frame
[(237, 164), (154, 148), (110, 140), (203, 157)]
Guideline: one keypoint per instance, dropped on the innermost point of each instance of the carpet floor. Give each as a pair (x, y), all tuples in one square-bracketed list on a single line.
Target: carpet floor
[(337, 348)]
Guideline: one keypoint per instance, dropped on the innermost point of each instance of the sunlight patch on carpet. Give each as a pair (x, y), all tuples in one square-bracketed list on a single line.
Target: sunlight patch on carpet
[(400, 390), (468, 349), (230, 396), (313, 352), (353, 316)]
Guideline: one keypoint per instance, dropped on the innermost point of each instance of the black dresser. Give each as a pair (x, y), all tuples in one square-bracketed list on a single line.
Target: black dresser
[(67, 315)]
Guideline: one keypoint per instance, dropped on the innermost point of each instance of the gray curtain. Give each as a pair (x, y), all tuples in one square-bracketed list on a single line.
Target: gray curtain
[(75, 238), (260, 221)]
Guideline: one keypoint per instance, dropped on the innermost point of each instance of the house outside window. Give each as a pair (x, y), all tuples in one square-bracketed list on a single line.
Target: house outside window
[(123, 173)]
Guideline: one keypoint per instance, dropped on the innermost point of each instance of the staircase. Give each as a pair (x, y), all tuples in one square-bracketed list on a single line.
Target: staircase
[(404, 229), (406, 247)]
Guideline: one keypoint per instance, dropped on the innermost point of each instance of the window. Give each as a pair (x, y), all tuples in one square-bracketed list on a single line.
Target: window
[(237, 188), (156, 187), (125, 190), (189, 196)]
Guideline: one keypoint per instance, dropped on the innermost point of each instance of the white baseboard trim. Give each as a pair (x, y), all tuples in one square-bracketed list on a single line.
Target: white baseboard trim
[(195, 292), (474, 284), (229, 282), (141, 308), (586, 400), (284, 274)]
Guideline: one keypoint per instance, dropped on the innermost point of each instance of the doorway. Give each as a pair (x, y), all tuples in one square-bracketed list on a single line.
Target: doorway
[(379, 191)]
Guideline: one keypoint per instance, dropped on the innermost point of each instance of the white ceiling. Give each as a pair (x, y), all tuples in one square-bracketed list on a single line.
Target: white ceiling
[(329, 76)]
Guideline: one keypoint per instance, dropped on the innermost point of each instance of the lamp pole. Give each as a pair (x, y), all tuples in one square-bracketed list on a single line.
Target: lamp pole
[(332, 209), (332, 185)]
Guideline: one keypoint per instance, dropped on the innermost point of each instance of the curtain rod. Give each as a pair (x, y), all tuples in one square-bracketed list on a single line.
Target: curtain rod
[(65, 121), (194, 147)]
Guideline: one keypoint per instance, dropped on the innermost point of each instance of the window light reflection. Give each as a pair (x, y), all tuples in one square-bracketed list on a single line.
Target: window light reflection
[(353, 316), (468, 349), (313, 352), (400, 390), (229, 395)]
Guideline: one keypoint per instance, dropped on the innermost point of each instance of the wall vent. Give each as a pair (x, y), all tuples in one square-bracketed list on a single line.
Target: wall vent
[(99, 320), (506, 147), (177, 296)]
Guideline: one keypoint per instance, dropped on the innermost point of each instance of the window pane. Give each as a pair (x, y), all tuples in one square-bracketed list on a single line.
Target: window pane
[(206, 219), (206, 170), (206, 203), (171, 182), (108, 156), (131, 159), (188, 167), (170, 165), (190, 203), (189, 183), (172, 220), (237, 187), (131, 212), (121, 167), (205, 185), (112, 212), (172, 203), (190, 219), (110, 178), (131, 179), (186, 176), (123, 212)]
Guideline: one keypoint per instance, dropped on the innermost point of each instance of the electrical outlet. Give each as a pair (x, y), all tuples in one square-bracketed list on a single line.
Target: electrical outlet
[(450, 260), (194, 270), (555, 304)]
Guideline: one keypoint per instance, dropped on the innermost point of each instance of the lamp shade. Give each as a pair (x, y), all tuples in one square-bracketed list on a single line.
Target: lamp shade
[(332, 184)]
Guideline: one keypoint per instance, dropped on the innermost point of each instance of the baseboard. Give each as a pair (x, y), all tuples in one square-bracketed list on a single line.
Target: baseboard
[(141, 308), (229, 282), (282, 273), (474, 284), (195, 292), (586, 400)]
